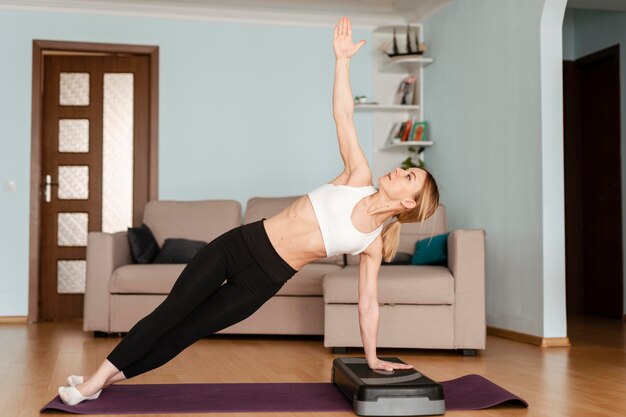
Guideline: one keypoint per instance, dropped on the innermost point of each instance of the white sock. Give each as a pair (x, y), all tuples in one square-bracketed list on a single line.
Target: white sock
[(72, 396), (75, 380)]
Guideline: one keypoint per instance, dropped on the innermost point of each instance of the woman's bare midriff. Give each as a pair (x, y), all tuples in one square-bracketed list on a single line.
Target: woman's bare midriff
[(295, 234)]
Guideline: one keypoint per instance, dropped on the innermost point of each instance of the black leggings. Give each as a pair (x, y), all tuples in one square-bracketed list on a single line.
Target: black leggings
[(200, 303)]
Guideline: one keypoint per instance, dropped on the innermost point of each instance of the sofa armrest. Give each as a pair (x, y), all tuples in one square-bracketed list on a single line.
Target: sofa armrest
[(466, 261), (105, 253)]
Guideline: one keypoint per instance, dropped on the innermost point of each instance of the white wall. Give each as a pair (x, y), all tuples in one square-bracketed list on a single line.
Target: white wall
[(589, 31), (552, 176), (497, 149)]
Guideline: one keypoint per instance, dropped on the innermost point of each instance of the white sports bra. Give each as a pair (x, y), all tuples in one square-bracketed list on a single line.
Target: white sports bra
[(333, 205)]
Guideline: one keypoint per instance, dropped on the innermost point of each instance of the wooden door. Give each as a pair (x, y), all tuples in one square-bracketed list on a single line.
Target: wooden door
[(593, 184), (95, 154)]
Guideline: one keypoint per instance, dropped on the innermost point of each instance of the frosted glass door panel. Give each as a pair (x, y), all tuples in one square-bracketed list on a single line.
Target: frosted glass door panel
[(74, 89), (71, 277), (74, 135), (73, 182), (117, 153), (72, 229)]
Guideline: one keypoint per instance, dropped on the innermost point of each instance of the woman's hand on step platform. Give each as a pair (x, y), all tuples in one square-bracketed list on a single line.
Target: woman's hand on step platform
[(387, 366)]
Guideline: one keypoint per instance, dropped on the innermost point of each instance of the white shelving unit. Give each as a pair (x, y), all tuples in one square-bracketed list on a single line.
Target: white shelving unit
[(389, 107), (387, 74), (405, 64), (403, 145)]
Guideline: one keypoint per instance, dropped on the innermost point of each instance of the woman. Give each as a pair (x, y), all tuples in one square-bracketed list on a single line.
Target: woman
[(344, 216)]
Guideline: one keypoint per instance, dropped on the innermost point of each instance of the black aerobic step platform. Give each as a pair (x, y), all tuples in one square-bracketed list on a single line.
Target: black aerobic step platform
[(401, 392)]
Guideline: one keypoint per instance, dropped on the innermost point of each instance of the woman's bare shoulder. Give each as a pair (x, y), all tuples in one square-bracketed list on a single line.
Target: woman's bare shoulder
[(374, 249)]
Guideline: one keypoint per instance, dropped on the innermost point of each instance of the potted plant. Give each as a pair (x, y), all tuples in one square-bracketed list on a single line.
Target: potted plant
[(414, 159)]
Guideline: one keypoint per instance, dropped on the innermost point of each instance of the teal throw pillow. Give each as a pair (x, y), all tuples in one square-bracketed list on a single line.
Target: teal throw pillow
[(431, 251)]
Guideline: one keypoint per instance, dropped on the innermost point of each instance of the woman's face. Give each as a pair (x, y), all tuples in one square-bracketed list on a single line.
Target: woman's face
[(401, 184)]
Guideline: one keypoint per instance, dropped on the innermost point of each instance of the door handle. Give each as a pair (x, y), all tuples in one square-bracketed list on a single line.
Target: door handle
[(47, 191)]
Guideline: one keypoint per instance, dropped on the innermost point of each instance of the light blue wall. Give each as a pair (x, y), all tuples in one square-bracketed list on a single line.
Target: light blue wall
[(245, 110), (483, 100), (591, 31)]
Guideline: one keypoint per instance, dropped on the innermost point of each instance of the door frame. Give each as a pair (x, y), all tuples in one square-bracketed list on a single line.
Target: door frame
[(40, 47)]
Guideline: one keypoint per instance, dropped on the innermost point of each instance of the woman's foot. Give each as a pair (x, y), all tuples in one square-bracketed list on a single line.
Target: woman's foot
[(72, 395), (75, 380)]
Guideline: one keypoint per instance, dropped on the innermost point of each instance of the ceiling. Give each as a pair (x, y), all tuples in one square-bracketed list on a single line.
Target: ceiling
[(361, 12), (397, 8)]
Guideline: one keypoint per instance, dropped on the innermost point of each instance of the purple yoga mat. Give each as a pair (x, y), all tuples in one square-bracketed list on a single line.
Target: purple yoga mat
[(474, 392), (470, 392)]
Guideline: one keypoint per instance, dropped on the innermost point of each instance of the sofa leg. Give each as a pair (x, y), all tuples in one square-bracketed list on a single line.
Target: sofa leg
[(340, 350), (98, 333), (468, 352)]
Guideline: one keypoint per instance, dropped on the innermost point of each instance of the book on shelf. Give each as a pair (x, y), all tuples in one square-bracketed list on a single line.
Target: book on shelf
[(407, 130), (406, 90), (400, 132), (393, 132), (420, 131), (412, 133), (410, 130)]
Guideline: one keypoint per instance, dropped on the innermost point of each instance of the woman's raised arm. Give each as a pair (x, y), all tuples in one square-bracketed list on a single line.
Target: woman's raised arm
[(343, 104)]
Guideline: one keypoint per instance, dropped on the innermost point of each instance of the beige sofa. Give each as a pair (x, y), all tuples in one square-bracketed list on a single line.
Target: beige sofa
[(421, 306)]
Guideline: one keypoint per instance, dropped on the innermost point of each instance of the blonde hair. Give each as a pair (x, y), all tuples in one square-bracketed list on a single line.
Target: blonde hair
[(427, 202)]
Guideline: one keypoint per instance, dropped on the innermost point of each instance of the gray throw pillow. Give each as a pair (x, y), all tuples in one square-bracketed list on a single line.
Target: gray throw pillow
[(400, 258), (178, 251)]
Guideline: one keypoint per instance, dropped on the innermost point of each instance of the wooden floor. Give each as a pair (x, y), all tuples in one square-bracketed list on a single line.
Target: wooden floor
[(587, 379)]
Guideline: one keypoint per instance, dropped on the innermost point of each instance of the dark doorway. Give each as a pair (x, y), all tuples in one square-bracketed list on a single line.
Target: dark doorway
[(593, 205)]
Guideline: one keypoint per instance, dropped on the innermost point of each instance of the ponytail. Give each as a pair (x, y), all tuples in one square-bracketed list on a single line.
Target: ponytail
[(391, 239)]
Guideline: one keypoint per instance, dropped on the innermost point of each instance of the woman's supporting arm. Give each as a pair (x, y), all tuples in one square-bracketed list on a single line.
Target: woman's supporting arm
[(368, 305)]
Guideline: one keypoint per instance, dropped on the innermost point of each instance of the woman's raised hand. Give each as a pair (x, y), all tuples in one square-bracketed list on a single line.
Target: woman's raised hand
[(342, 43)]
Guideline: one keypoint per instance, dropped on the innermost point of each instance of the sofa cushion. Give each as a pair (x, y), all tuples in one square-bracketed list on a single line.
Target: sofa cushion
[(145, 279), (196, 220), (431, 251), (143, 245), (308, 280), (178, 251), (159, 279), (259, 208), (400, 258), (397, 284)]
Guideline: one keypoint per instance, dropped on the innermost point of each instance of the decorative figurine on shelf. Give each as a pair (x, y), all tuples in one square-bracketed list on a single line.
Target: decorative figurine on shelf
[(419, 48), (396, 51), (362, 100)]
